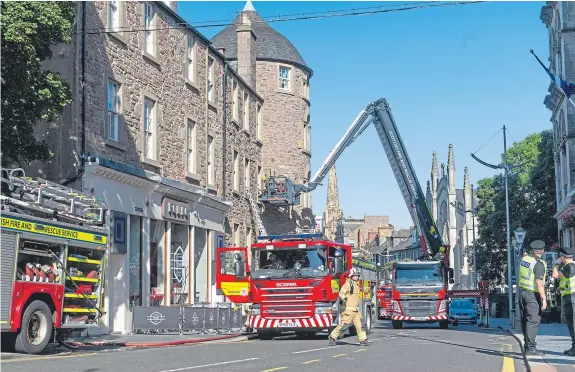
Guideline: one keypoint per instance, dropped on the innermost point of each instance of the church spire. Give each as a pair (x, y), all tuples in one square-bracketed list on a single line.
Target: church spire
[(434, 168), (466, 184), (450, 158), (249, 7), (333, 213)]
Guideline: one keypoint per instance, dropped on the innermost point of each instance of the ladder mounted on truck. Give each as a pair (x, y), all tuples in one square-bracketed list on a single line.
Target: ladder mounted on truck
[(47, 199), (379, 114), (256, 213)]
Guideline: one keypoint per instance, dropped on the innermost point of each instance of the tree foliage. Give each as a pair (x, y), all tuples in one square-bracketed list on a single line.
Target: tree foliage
[(30, 93), (531, 204)]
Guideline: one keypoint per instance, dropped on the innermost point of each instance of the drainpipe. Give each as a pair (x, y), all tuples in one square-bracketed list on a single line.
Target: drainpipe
[(224, 130), (83, 112)]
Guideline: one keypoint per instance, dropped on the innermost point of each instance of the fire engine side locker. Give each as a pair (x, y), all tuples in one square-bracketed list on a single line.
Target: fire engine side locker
[(8, 251)]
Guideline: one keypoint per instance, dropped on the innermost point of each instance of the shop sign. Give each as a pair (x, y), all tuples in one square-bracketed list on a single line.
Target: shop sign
[(175, 210)]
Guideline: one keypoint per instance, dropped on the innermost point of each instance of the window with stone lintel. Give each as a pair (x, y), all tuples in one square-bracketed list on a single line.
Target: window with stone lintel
[(236, 171), (284, 78), (211, 79), (246, 111), (191, 58), (113, 132), (211, 161), (113, 15), (149, 147), (259, 121), (235, 98), (149, 33), (191, 146)]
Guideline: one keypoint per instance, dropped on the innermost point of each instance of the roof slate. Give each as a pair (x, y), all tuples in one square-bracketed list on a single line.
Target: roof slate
[(270, 44)]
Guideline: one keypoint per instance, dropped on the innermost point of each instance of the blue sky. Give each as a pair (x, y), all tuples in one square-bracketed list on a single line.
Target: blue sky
[(451, 75)]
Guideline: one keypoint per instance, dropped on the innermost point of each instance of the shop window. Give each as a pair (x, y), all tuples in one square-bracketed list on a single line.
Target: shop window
[(200, 265), (135, 264), (156, 262), (179, 264)]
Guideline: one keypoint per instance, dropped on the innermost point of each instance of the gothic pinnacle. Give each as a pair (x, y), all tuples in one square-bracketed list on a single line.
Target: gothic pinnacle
[(450, 158), (466, 183)]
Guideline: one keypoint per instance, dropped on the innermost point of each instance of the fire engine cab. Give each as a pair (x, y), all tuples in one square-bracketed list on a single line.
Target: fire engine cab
[(293, 282)]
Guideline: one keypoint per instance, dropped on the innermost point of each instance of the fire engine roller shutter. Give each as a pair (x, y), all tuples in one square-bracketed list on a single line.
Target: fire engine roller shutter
[(8, 253)]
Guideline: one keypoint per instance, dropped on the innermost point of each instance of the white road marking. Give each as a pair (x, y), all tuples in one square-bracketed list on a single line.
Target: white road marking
[(309, 351), (210, 365)]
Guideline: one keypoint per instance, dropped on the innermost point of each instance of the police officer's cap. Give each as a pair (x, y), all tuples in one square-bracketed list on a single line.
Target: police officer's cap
[(567, 252), (537, 245)]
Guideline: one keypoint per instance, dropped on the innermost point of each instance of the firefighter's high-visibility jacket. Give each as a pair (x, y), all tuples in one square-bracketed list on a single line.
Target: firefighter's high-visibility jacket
[(350, 297)]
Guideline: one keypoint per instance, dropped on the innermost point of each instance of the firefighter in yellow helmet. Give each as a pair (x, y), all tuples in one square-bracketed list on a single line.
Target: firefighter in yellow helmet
[(349, 293)]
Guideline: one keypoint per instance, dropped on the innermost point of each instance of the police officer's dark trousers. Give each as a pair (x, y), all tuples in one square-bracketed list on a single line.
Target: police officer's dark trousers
[(530, 307), (569, 318)]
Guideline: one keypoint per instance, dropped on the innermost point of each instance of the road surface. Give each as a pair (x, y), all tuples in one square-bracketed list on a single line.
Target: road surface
[(412, 349)]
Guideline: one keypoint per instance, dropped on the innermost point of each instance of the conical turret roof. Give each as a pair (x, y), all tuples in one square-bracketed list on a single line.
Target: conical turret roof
[(270, 44)]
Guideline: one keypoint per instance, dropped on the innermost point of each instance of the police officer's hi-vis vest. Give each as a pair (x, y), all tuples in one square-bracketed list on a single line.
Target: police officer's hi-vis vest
[(526, 274), (567, 285)]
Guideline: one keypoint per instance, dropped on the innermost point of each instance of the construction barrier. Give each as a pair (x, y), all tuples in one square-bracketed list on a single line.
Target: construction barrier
[(200, 318)]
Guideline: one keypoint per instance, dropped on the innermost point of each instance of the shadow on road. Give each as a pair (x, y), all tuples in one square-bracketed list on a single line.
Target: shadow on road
[(480, 350)]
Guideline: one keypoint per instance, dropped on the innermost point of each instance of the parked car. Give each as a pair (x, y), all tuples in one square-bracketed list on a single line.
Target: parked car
[(463, 310)]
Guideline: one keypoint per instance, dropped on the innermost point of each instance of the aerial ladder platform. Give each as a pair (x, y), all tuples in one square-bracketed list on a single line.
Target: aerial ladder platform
[(379, 114)]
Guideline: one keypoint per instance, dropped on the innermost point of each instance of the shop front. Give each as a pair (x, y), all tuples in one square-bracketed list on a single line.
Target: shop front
[(163, 233)]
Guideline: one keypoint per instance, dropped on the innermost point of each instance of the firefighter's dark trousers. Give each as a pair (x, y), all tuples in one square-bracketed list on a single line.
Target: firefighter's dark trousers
[(347, 319), (530, 307), (569, 318)]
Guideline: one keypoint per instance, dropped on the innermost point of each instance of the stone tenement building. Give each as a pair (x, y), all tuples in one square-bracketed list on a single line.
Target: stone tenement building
[(282, 79), (559, 18), (171, 137), (452, 211)]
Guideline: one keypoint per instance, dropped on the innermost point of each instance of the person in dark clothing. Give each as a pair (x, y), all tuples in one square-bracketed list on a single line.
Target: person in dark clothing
[(532, 298), (564, 270)]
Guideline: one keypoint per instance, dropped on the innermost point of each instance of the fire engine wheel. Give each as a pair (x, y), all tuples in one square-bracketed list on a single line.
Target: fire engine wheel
[(444, 324), (368, 323), (36, 328), (397, 324)]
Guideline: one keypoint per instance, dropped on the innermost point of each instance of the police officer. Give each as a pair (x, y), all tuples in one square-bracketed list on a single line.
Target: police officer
[(349, 293), (532, 300), (564, 270)]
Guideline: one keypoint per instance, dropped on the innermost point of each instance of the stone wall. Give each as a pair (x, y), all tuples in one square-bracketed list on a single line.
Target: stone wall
[(283, 153), (245, 143), (163, 78)]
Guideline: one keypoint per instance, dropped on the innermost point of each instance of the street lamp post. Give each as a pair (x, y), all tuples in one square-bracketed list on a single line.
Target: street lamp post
[(505, 167), (519, 239)]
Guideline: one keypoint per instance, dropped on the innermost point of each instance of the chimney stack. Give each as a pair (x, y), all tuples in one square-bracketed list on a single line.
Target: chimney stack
[(246, 40)]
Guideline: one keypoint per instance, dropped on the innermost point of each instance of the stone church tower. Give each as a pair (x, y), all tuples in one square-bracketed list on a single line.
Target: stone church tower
[(333, 213), (452, 210), (281, 78)]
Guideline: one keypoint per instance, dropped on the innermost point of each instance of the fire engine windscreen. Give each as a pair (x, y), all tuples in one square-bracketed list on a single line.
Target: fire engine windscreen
[(290, 262), (419, 275)]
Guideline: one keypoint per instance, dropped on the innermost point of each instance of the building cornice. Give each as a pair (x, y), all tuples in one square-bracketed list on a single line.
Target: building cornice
[(138, 177)]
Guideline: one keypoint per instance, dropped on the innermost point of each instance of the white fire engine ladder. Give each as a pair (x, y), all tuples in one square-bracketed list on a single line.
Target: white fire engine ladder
[(28, 196), (256, 212)]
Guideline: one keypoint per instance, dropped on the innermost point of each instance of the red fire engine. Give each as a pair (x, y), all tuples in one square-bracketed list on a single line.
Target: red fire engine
[(419, 290), (384, 302), (53, 244), (292, 282)]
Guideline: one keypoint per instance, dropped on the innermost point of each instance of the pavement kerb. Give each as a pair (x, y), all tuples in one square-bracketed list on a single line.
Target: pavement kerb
[(525, 360), (236, 336)]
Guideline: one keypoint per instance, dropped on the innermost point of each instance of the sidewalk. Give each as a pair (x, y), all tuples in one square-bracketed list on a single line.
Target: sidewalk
[(552, 339), (154, 340)]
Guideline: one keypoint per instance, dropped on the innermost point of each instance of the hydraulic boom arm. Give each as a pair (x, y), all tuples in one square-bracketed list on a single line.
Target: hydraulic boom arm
[(379, 113)]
